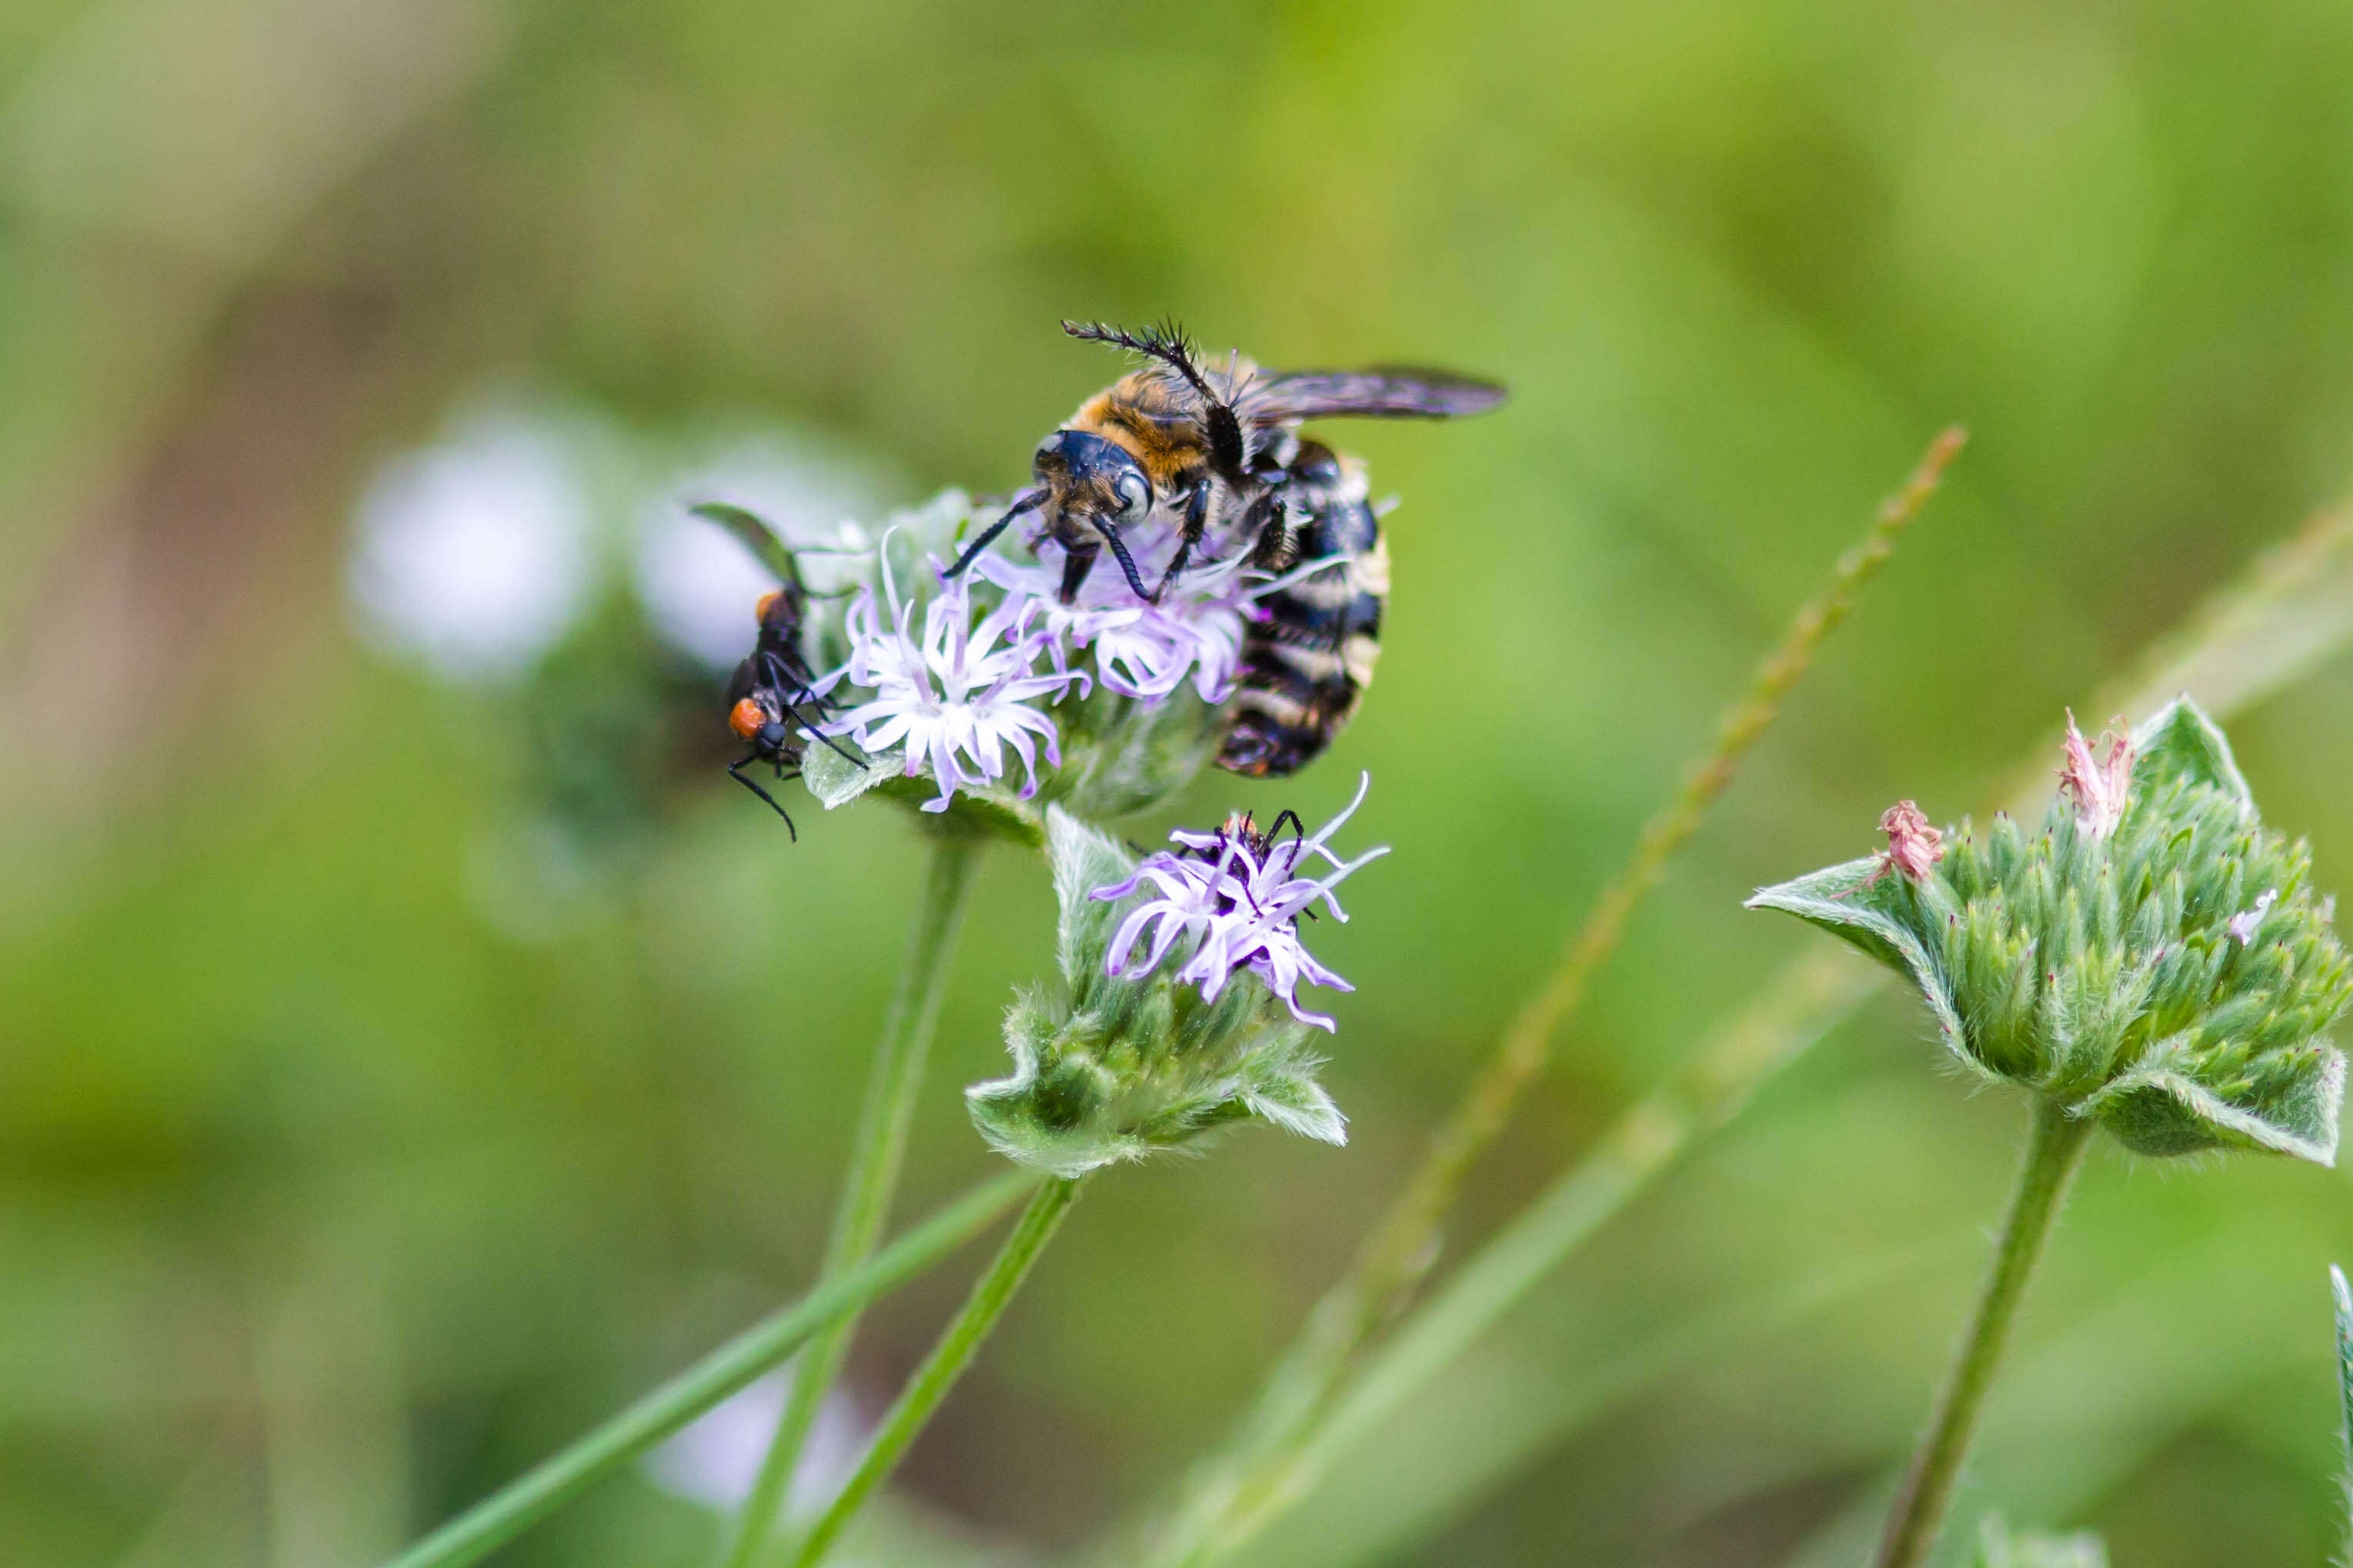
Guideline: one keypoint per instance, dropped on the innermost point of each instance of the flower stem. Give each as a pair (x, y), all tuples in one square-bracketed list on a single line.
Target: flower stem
[(514, 1507), (1402, 1246), (2054, 1148), (2286, 613), (946, 1363), (875, 1159)]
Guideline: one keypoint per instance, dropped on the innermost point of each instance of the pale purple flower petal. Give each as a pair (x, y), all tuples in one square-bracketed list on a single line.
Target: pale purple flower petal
[(1239, 905), (957, 697)]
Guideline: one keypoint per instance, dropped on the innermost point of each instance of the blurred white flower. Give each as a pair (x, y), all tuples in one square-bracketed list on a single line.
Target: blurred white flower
[(714, 1461), (699, 586), (697, 583), (474, 554)]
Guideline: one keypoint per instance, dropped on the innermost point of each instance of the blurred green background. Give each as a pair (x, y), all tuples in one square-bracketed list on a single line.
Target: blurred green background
[(399, 1072)]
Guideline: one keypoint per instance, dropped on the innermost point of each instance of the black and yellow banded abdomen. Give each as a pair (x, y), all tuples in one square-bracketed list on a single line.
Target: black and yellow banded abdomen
[(1306, 663)]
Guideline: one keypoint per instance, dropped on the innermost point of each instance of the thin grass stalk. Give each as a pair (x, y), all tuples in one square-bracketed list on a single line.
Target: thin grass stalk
[(876, 1157), (2288, 612), (515, 1507), (916, 1403), (1402, 1247)]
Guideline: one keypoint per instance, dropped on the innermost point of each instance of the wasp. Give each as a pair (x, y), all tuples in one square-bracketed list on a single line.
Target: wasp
[(768, 694), (1309, 653), (773, 695), (1178, 442)]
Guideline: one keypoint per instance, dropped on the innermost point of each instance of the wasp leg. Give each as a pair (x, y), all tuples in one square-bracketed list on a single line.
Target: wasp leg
[(1196, 523), (1127, 562), (793, 709), (788, 674), (754, 786), (1298, 836), (1030, 503), (1272, 547)]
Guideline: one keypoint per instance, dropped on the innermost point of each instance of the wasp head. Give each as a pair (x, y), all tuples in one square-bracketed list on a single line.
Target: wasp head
[(759, 718), (1094, 478)]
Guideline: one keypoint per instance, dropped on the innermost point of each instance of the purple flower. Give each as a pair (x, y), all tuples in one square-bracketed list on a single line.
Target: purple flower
[(1236, 895), (1141, 650), (956, 698)]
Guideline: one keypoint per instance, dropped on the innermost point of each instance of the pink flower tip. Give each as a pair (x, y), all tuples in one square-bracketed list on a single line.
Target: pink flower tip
[(1914, 844), (2096, 778)]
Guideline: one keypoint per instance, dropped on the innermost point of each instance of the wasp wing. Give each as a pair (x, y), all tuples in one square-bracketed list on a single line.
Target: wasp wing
[(1285, 397), (755, 536)]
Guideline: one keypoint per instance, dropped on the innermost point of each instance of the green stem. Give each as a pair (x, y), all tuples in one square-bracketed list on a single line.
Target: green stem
[(875, 1159), (946, 1363), (506, 1513), (2288, 612), (1401, 1248), (2054, 1148)]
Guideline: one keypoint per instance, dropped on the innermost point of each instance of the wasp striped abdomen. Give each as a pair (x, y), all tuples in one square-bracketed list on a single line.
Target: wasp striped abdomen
[(1306, 663)]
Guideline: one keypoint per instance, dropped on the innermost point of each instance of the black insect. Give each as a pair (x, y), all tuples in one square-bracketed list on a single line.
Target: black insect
[(1240, 830), (1185, 443), (771, 697)]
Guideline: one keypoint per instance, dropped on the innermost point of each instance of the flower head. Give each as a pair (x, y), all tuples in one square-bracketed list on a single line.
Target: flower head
[(2098, 784), (2154, 957), (956, 700), (1176, 1014), (1236, 896)]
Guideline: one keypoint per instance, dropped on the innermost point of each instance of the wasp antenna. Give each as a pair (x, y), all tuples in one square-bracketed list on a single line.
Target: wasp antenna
[(1166, 342), (1030, 501)]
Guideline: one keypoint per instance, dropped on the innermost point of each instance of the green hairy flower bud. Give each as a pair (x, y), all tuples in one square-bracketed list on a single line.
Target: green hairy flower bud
[(1116, 1067), (2153, 956)]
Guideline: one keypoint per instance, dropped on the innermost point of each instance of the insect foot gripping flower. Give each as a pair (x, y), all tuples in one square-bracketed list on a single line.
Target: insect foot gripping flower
[(1137, 1053), (2153, 958)]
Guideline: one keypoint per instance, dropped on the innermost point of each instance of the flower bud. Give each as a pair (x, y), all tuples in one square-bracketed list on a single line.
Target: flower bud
[(1116, 1067), (2153, 957)]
